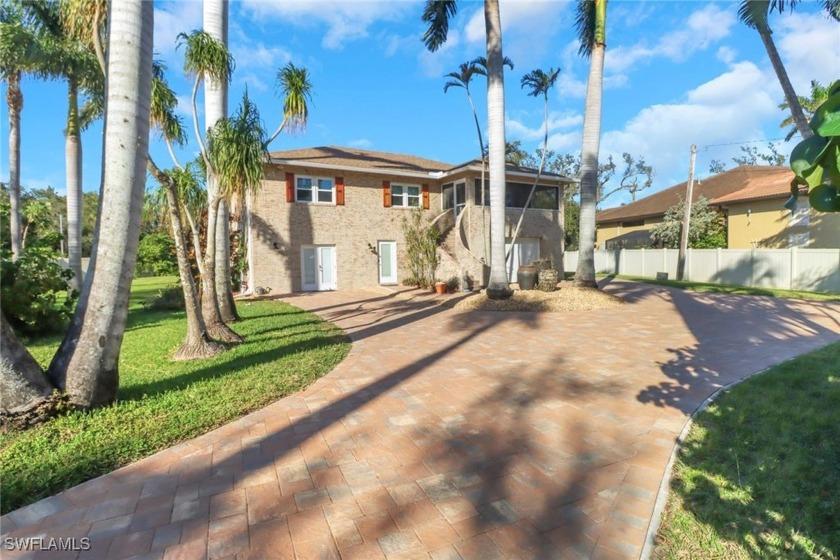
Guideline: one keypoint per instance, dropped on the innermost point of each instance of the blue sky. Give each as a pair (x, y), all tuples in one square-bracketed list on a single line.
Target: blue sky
[(676, 73)]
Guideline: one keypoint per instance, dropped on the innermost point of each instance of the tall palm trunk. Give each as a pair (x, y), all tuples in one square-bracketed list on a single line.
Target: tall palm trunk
[(585, 275), (215, 108), (86, 363), (14, 99), (498, 286), (792, 99), (198, 343), (73, 165)]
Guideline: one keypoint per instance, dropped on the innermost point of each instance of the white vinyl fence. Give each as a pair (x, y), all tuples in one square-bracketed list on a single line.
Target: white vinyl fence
[(816, 270)]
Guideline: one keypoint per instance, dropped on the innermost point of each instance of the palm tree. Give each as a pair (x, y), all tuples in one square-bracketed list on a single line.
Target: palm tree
[(207, 58), (216, 108), (591, 26), (540, 83), (754, 14), (18, 54), (68, 59), (437, 14), (86, 364), (819, 93), (462, 79), (198, 343)]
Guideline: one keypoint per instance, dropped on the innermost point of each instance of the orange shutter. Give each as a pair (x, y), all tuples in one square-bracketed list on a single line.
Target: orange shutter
[(425, 196), (290, 187), (339, 191), (386, 193)]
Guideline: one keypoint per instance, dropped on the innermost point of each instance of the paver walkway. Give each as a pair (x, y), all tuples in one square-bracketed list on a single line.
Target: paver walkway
[(446, 435)]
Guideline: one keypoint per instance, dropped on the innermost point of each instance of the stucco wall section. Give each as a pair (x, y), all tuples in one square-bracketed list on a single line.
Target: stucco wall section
[(768, 226)]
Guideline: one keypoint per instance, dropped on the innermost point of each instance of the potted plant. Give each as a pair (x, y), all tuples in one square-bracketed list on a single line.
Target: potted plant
[(440, 287)]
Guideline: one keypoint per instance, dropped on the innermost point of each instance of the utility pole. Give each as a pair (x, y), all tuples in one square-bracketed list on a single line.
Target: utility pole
[(687, 217)]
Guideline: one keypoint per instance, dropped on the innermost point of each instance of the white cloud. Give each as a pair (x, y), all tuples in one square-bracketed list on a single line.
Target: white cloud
[(258, 55), (729, 108), (556, 121), (171, 19), (704, 27), (345, 21), (527, 29), (727, 55), (808, 44), (360, 143)]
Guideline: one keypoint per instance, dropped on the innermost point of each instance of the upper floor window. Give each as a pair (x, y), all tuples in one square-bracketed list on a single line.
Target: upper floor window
[(545, 198), (407, 196), (314, 189)]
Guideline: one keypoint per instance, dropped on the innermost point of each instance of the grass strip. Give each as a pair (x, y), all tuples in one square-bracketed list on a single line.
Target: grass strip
[(758, 474)]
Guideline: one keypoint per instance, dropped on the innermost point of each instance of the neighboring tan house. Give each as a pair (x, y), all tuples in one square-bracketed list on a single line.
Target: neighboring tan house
[(330, 218), (750, 196)]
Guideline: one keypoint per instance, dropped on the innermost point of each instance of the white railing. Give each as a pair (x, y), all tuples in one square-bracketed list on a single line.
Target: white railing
[(816, 270)]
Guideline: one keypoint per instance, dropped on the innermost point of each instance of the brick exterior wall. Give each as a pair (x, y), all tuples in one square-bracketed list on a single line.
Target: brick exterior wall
[(280, 230)]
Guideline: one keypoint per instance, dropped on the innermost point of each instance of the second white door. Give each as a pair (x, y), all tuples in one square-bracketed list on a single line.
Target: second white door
[(387, 262)]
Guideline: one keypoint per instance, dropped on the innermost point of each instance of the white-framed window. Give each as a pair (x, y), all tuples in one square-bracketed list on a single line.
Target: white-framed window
[(406, 196), (314, 189), (802, 215)]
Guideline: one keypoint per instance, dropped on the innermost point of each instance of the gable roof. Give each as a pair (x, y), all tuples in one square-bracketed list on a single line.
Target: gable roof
[(337, 157), (746, 182)]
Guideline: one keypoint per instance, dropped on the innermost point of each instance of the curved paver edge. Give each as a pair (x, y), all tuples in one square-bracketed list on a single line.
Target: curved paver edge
[(665, 486)]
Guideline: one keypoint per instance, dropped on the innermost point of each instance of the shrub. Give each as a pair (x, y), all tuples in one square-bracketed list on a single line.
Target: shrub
[(156, 255), (34, 293), (421, 241), (167, 299)]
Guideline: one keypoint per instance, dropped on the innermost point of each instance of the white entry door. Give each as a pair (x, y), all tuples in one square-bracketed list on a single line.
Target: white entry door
[(318, 268), (387, 262), (525, 251)]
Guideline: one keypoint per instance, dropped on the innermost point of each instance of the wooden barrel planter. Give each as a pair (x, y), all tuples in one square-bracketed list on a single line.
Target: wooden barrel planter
[(526, 276), (548, 280)]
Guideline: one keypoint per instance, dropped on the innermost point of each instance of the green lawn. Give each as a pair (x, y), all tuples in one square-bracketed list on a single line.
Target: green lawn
[(730, 289), (164, 402), (759, 474)]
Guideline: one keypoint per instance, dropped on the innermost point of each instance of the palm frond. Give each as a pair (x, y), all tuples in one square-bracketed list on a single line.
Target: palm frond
[(437, 14), (585, 23), (293, 82), (204, 56)]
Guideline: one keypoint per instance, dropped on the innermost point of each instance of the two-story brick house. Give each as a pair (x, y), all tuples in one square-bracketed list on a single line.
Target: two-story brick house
[(331, 218)]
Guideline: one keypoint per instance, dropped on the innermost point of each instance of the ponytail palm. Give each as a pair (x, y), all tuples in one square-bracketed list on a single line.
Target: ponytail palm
[(591, 26), (198, 343), (293, 83), (206, 58)]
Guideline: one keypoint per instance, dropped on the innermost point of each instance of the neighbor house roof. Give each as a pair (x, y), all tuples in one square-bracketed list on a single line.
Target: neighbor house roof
[(337, 157), (746, 182)]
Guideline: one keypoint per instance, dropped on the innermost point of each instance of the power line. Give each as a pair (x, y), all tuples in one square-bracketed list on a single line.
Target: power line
[(707, 146)]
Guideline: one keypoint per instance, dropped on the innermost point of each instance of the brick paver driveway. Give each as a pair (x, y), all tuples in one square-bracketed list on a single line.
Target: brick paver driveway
[(447, 435)]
